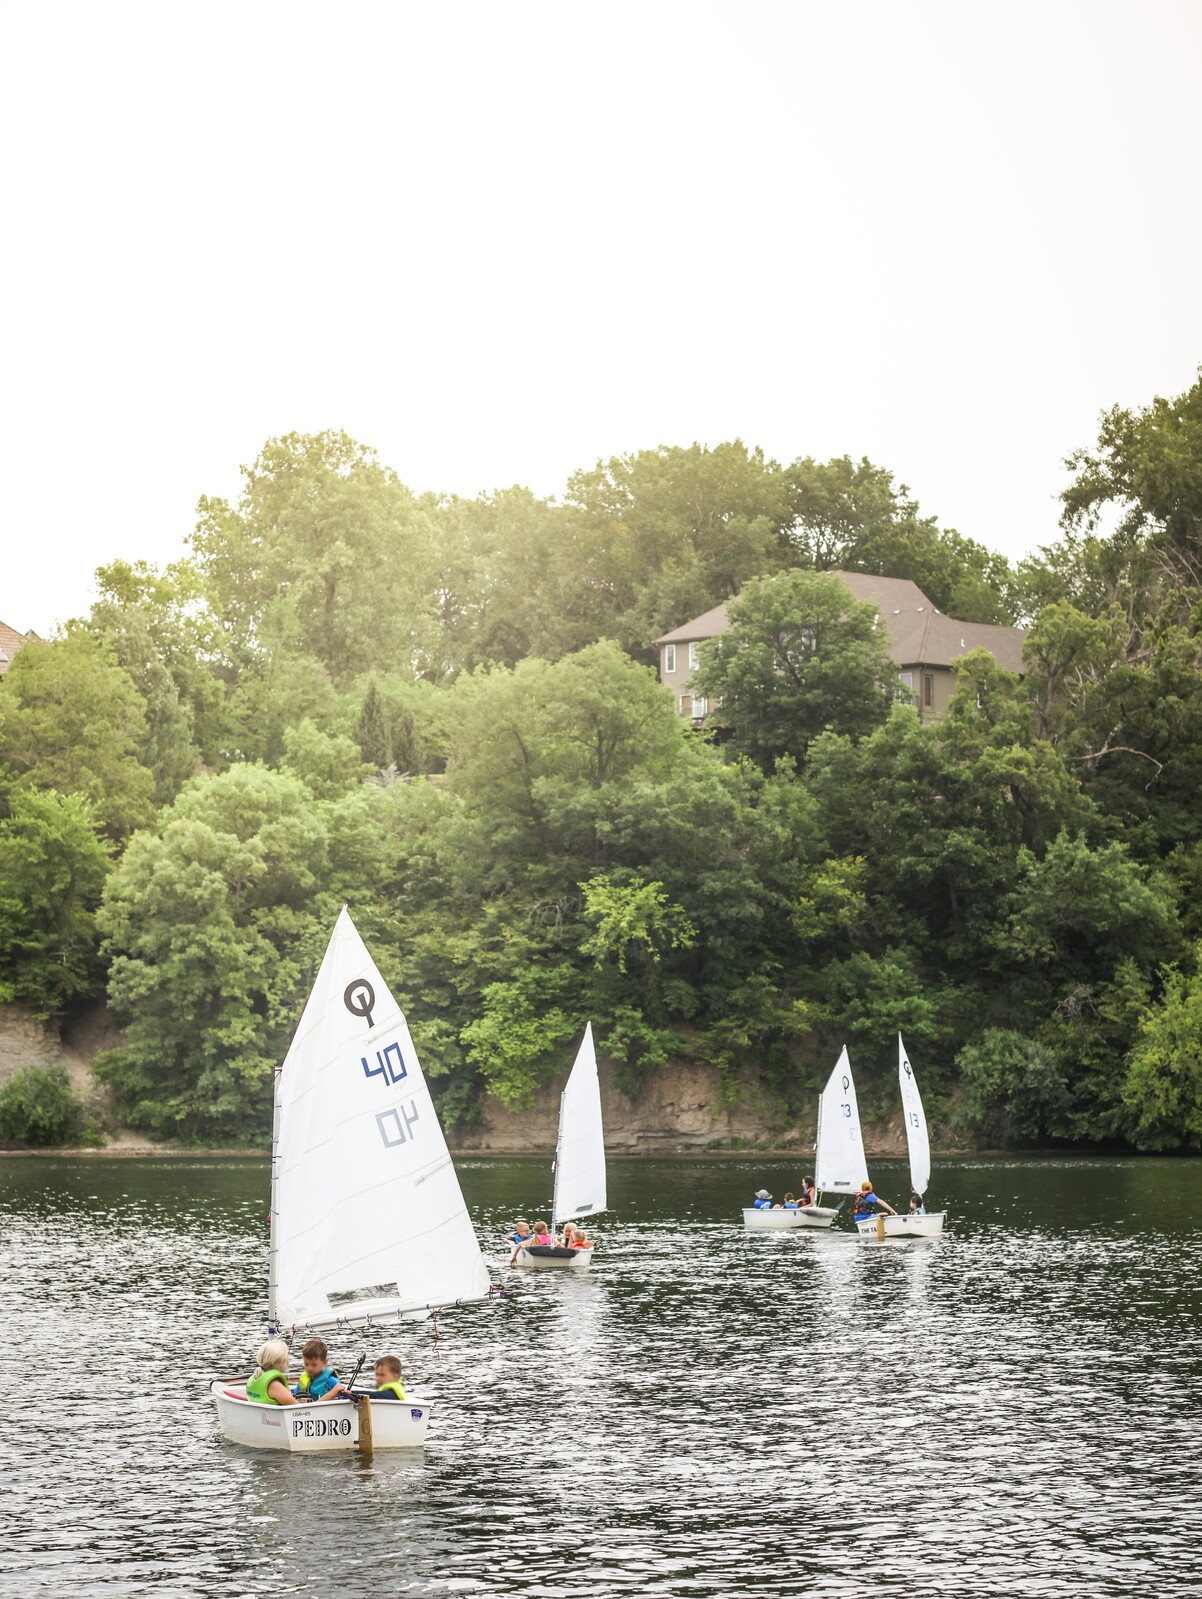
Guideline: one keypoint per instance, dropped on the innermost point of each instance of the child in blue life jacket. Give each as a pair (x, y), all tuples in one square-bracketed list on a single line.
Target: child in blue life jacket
[(763, 1199), (319, 1379), (917, 1208)]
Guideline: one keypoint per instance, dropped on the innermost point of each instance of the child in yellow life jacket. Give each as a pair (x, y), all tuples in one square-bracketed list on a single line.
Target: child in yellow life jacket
[(319, 1379), (388, 1379)]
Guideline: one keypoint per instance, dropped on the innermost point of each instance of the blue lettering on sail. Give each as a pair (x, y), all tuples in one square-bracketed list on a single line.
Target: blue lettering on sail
[(390, 1064), (396, 1126)]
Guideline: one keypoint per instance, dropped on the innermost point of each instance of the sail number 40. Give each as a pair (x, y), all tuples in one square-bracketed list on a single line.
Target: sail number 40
[(390, 1064)]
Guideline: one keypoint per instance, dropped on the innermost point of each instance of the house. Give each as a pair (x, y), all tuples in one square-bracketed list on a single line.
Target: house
[(922, 641), (10, 642)]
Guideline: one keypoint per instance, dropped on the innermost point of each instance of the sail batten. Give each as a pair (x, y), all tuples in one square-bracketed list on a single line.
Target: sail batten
[(580, 1152), (367, 1205), (839, 1162), (918, 1141)]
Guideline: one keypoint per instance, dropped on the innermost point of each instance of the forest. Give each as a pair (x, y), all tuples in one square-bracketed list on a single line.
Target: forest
[(445, 712)]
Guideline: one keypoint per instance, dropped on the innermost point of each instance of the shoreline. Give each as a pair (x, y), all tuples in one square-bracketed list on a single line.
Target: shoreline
[(952, 1152)]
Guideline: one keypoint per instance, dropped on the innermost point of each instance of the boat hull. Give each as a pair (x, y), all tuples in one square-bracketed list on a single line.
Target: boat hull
[(552, 1257), (905, 1226), (777, 1220), (316, 1429)]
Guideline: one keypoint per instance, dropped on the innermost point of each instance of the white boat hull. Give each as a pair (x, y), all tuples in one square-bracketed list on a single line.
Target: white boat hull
[(773, 1220), (905, 1226), (316, 1428), (551, 1257)]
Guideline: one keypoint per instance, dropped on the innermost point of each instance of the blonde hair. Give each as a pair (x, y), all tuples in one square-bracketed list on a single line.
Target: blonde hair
[(273, 1356)]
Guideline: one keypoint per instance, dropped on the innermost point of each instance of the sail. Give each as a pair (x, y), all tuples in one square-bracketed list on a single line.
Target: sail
[(580, 1155), (839, 1164), (367, 1215), (917, 1139)]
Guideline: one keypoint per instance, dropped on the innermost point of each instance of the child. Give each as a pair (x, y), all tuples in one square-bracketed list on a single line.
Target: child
[(318, 1377), (579, 1239), (917, 1208), (388, 1379), (268, 1383), (541, 1235)]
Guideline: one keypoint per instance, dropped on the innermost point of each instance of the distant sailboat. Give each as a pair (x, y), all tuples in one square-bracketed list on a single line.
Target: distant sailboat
[(839, 1166), (368, 1222), (918, 1143), (579, 1164)]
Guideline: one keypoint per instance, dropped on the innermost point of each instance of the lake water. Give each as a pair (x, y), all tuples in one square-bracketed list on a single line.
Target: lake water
[(1011, 1410)]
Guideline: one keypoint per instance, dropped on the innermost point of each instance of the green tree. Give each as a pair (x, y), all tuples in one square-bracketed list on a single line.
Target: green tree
[(1163, 1090), (53, 865), (374, 734), (1013, 1090), (39, 1108), (801, 655), (71, 719)]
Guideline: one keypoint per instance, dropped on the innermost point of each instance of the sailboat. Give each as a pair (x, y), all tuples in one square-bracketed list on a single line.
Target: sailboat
[(918, 1144), (839, 1165), (368, 1222), (579, 1164)]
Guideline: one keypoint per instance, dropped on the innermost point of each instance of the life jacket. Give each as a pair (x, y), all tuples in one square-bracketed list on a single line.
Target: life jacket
[(580, 1243), (393, 1388), (865, 1204), (809, 1196), (256, 1388), (763, 1204), (313, 1387), (790, 1204)]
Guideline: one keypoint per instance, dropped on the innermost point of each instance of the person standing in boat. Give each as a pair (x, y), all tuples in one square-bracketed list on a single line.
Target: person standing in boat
[(868, 1203)]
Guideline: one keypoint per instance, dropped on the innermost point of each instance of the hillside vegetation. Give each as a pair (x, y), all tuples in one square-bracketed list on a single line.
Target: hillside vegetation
[(446, 713)]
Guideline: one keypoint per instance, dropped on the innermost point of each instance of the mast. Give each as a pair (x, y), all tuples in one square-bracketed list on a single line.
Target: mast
[(275, 1167), (555, 1168)]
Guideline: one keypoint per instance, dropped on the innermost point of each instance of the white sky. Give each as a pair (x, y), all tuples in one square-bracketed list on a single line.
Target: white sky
[(498, 241)]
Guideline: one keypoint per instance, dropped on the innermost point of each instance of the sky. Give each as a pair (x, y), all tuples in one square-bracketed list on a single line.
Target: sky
[(498, 242)]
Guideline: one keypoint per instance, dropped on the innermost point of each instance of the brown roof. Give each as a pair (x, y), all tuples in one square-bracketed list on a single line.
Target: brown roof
[(919, 635), (10, 642)]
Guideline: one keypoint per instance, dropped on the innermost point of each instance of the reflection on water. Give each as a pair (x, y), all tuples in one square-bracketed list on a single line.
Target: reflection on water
[(1010, 1410)]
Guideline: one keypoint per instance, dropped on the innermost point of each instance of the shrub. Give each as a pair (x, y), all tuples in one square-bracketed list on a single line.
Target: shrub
[(38, 1107)]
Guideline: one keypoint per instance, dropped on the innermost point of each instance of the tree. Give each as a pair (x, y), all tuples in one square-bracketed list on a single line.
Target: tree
[(850, 515), (801, 655), (1013, 1090), (53, 866), (71, 719), (374, 734), (1163, 1090)]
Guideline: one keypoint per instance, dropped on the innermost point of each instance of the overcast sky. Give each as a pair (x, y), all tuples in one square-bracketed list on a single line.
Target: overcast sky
[(499, 241)]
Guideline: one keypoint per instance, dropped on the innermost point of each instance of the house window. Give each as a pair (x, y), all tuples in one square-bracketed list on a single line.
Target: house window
[(906, 679), (686, 705), (928, 689), (694, 658), (669, 657), (700, 705)]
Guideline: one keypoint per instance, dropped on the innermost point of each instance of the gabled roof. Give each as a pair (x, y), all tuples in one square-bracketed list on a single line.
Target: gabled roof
[(10, 642), (919, 635)]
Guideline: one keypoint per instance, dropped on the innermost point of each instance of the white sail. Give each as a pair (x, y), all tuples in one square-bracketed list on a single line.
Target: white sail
[(917, 1139), (839, 1164), (367, 1215), (580, 1153)]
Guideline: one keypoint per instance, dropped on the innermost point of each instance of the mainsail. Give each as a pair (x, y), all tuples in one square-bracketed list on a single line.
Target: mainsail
[(917, 1139), (839, 1164), (367, 1217), (580, 1152)]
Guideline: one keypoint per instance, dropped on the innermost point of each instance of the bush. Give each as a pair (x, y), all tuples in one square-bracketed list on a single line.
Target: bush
[(38, 1108), (1013, 1090)]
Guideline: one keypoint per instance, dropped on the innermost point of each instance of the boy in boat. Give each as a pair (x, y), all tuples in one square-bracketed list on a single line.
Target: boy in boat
[(521, 1234), (917, 1208), (763, 1199), (578, 1240), (318, 1377), (867, 1203), (388, 1379), (789, 1204), (540, 1235)]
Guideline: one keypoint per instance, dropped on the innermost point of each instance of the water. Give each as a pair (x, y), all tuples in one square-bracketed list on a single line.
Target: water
[(1009, 1411)]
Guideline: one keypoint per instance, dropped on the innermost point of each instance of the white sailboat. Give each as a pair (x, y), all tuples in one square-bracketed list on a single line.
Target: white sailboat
[(368, 1222), (579, 1164), (839, 1165), (918, 1143)]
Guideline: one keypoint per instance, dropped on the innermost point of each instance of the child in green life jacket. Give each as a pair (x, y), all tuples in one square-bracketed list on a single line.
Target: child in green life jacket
[(319, 1379), (388, 1379)]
